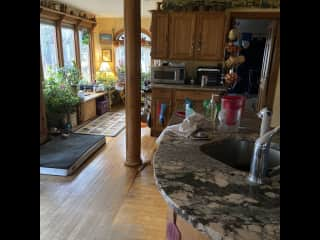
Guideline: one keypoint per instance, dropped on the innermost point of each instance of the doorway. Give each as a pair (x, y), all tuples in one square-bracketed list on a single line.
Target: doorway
[(260, 42), (253, 33)]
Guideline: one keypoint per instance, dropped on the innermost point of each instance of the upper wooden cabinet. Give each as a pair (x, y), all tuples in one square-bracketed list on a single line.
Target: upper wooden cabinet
[(181, 35), (188, 35), (210, 36), (159, 29)]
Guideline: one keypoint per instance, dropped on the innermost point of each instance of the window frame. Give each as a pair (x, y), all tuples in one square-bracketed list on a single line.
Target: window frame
[(52, 23), (91, 56), (67, 25), (76, 25)]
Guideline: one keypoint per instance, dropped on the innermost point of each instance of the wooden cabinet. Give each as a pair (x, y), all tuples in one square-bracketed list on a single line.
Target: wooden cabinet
[(187, 231), (88, 110), (181, 35), (210, 36), (196, 97), (175, 101), (160, 96), (159, 29), (188, 35)]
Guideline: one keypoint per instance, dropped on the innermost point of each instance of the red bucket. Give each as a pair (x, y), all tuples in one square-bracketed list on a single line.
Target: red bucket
[(233, 107)]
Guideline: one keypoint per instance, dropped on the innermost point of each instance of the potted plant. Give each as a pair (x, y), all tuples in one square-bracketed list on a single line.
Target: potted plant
[(61, 101)]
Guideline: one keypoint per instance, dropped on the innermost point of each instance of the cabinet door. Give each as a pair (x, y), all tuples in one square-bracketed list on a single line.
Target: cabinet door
[(210, 36), (181, 35), (196, 97), (160, 96), (159, 30)]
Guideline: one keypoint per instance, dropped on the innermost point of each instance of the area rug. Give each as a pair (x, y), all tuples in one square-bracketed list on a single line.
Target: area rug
[(110, 124)]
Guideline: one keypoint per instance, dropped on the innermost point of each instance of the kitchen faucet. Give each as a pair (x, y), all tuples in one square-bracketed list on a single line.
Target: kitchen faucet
[(260, 157)]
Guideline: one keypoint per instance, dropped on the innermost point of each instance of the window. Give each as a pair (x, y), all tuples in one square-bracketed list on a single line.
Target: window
[(145, 55), (68, 46), (48, 45), (84, 38)]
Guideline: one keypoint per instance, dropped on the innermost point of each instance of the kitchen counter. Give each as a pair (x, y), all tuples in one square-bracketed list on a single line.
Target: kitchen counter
[(212, 196), (92, 95), (189, 87)]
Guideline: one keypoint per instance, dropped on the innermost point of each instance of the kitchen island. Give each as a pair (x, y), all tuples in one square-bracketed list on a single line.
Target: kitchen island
[(211, 199)]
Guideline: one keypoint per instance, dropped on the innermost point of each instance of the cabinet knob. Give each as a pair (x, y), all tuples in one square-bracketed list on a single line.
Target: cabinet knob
[(199, 45)]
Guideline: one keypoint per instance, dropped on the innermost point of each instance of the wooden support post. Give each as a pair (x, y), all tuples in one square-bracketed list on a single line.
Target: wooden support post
[(132, 27)]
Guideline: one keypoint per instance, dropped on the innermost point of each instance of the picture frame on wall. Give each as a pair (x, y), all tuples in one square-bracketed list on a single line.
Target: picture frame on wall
[(107, 55), (105, 38)]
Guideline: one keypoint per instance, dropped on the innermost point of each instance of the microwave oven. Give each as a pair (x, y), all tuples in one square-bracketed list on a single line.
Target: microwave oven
[(214, 74), (168, 74)]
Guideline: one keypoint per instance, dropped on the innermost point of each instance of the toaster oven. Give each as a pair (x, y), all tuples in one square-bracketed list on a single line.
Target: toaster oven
[(214, 75)]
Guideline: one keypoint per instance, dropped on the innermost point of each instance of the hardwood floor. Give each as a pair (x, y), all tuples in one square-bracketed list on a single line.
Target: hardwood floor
[(104, 200)]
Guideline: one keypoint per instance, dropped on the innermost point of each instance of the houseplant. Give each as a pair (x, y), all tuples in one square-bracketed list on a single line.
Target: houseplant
[(60, 98)]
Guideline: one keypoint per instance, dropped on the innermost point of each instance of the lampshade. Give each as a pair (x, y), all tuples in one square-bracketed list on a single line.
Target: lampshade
[(105, 67)]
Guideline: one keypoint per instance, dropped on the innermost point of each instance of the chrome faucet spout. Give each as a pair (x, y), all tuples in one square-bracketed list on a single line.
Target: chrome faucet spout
[(260, 157), (265, 115), (266, 138)]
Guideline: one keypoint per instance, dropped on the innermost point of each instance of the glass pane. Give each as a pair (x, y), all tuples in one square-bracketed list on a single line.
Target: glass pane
[(69, 54), (84, 38), (120, 58), (48, 45), (145, 59)]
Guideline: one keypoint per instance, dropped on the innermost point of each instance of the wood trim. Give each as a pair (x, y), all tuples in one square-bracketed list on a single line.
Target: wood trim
[(77, 44), (59, 42), (272, 82), (43, 119), (92, 55), (55, 15), (265, 79)]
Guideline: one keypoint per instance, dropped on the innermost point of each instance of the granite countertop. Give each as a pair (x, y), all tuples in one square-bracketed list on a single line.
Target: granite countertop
[(212, 196), (189, 87)]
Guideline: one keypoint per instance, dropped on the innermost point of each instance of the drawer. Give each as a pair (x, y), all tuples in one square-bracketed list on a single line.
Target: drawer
[(193, 95)]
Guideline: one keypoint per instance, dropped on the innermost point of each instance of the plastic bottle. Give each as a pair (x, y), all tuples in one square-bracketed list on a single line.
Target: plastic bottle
[(213, 111), (188, 107)]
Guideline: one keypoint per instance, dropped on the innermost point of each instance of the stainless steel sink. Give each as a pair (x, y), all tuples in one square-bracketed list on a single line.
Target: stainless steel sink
[(237, 153)]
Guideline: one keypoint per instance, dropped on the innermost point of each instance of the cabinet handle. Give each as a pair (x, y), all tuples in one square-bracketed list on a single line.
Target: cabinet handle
[(199, 45)]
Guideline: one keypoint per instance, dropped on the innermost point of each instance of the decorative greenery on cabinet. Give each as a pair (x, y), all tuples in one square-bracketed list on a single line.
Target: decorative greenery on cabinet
[(217, 5)]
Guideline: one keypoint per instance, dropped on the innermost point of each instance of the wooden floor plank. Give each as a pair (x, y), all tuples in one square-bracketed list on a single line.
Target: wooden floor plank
[(103, 199)]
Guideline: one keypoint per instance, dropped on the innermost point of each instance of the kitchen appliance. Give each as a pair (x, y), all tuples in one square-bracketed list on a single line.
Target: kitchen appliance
[(214, 75), (168, 74)]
